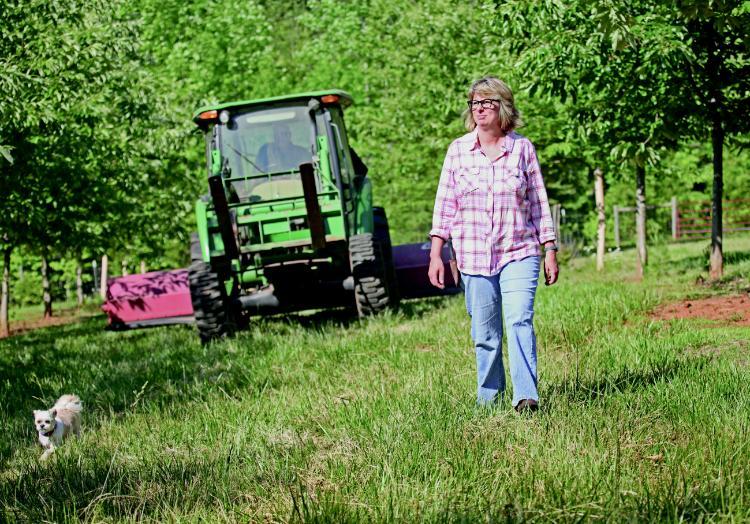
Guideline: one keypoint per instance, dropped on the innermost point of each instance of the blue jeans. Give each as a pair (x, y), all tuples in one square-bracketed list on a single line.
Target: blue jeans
[(512, 291)]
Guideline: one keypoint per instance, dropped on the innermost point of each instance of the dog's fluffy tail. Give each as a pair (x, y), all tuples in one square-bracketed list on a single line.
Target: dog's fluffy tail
[(69, 402)]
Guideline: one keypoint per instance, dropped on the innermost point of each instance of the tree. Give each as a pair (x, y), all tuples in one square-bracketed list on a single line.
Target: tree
[(641, 76), (715, 81), (71, 103), (614, 62)]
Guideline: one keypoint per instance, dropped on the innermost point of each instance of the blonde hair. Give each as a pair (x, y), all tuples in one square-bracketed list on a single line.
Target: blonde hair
[(492, 87)]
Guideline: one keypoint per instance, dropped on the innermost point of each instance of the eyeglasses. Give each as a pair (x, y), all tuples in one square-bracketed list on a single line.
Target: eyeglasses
[(487, 103)]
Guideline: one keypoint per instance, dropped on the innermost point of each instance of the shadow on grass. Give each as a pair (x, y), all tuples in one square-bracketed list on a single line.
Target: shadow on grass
[(37, 366), (112, 486), (701, 262), (624, 380), (569, 504), (113, 372), (735, 257), (343, 317)]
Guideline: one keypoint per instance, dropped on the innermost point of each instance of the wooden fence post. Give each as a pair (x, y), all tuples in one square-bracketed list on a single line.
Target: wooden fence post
[(79, 284), (46, 293), (96, 274), (5, 300), (675, 219), (640, 219), (616, 214), (599, 196), (556, 221), (103, 279)]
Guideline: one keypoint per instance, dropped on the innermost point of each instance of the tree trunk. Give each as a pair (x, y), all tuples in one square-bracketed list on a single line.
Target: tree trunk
[(95, 274), (143, 266), (103, 279), (600, 230), (640, 218), (715, 102), (124, 266), (79, 284), (5, 299), (717, 254), (46, 295)]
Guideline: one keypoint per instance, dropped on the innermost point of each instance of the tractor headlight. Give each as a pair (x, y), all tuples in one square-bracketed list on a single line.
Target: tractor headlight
[(224, 117)]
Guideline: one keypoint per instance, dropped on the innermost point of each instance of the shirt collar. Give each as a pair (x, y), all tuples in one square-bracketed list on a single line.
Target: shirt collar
[(508, 141)]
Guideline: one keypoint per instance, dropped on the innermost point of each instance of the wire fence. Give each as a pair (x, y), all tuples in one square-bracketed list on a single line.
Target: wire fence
[(694, 218), (660, 220), (569, 228), (676, 220)]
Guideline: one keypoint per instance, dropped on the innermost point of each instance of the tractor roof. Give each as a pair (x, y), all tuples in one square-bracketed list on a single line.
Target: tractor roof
[(345, 100)]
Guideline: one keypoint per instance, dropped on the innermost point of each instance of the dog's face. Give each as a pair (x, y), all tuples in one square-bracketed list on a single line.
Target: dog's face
[(44, 420)]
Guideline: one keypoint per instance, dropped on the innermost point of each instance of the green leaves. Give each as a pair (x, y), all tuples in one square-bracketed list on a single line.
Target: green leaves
[(96, 97), (5, 152), (75, 111)]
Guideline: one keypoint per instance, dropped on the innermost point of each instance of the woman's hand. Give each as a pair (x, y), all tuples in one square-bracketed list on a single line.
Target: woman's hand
[(436, 272), (551, 271)]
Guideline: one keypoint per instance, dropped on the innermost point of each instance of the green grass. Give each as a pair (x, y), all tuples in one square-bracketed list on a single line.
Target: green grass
[(36, 311), (323, 418)]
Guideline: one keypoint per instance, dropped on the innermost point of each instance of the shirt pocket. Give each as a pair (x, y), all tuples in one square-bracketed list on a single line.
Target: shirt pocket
[(515, 181), (467, 188), (467, 182)]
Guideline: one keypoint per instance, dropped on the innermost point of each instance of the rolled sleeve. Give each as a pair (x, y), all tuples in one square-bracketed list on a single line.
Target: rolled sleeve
[(541, 217), (444, 211)]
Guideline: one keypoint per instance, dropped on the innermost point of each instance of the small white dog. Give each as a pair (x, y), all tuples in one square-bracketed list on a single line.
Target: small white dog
[(58, 423)]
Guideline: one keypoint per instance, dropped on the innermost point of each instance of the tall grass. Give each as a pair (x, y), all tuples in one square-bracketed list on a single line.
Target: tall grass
[(323, 418)]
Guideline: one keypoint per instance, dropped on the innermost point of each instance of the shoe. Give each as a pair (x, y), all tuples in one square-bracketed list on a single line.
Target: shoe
[(527, 405)]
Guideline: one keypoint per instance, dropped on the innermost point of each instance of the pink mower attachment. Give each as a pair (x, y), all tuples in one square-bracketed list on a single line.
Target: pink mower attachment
[(411, 262), (163, 297), (149, 299)]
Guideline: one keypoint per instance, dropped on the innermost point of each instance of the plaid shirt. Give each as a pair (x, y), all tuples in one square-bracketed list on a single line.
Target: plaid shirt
[(494, 212)]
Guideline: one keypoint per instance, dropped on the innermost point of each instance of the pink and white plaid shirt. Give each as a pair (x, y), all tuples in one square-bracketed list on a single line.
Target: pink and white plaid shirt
[(494, 211)]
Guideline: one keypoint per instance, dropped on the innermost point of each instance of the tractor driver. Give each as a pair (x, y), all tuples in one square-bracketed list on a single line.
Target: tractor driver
[(281, 154)]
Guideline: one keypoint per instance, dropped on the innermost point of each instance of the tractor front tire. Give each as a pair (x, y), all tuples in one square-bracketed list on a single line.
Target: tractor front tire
[(371, 292), (211, 305)]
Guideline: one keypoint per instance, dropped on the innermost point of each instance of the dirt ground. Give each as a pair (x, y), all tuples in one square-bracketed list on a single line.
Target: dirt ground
[(728, 309), (64, 316)]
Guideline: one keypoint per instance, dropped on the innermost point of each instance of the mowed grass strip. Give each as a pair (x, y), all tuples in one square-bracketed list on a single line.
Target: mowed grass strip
[(325, 418)]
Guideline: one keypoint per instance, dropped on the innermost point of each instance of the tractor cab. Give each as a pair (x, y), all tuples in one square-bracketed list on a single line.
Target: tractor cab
[(263, 148)]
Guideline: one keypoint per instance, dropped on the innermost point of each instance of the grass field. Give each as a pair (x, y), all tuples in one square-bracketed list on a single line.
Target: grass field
[(324, 418)]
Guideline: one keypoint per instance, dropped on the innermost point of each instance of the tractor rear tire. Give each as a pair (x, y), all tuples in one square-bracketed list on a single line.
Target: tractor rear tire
[(211, 305), (368, 269)]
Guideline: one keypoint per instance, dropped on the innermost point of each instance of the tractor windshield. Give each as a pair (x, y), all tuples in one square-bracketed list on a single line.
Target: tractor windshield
[(264, 148)]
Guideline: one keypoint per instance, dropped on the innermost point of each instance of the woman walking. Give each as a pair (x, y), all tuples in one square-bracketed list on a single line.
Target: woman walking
[(492, 203)]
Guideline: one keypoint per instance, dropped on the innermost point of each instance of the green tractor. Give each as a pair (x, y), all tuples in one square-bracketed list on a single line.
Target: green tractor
[(288, 223)]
